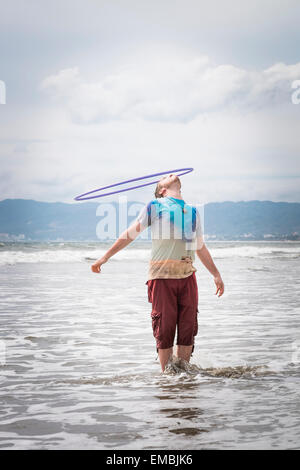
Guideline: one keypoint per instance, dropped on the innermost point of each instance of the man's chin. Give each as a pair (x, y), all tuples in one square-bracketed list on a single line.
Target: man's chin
[(175, 184)]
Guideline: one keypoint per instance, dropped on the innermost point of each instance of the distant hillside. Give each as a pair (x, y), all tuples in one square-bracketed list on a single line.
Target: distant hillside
[(25, 219), (253, 219)]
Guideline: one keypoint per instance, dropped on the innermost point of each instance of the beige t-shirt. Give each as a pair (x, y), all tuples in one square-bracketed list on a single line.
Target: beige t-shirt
[(175, 233)]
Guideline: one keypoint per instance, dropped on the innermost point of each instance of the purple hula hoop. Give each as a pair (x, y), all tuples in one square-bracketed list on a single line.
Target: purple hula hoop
[(81, 198)]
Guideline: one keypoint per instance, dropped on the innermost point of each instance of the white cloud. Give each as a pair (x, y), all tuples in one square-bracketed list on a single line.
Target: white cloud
[(170, 88), (170, 111), (236, 156)]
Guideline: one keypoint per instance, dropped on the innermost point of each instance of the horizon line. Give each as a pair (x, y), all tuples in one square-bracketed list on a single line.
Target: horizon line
[(134, 201)]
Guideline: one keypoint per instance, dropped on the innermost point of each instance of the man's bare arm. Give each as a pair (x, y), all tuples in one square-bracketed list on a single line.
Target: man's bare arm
[(205, 257), (124, 239)]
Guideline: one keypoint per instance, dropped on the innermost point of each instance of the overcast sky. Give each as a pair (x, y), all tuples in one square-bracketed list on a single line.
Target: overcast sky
[(98, 91)]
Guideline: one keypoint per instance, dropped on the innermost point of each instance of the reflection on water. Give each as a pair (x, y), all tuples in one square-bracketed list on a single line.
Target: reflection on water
[(185, 413), (78, 367)]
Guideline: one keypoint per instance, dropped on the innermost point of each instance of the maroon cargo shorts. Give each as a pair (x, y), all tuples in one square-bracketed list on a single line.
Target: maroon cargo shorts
[(174, 303)]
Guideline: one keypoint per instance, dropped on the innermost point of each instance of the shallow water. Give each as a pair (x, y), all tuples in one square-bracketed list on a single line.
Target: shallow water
[(78, 365)]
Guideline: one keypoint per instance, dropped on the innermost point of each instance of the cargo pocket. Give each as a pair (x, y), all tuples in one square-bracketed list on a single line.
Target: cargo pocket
[(156, 323)]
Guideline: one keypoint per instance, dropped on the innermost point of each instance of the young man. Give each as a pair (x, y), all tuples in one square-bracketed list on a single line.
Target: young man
[(172, 286)]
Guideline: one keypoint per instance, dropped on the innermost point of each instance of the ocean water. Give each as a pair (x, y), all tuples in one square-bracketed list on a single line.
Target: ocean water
[(78, 362)]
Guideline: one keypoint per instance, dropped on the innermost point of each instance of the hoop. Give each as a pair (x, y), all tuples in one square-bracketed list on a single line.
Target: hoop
[(81, 198)]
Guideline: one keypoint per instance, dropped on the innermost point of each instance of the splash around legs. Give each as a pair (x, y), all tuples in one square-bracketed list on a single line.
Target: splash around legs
[(166, 355)]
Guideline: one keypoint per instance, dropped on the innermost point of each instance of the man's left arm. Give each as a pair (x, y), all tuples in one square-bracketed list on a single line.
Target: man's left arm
[(205, 257)]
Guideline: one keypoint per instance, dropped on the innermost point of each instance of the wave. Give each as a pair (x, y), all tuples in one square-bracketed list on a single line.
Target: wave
[(178, 365), (249, 251), (65, 253), (68, 256)]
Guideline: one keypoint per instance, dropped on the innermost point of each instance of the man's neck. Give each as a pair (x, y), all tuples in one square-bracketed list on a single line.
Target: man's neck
[(174, 193)]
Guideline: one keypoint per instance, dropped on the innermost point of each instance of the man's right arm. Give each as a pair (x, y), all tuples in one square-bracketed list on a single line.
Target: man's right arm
[(124, 239)]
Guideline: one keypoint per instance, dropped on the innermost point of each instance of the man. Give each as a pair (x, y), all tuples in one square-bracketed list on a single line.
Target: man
[(172, 286)]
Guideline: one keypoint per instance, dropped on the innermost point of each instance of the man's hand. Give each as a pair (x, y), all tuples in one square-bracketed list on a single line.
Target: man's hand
[(96, 267), (220, 285)]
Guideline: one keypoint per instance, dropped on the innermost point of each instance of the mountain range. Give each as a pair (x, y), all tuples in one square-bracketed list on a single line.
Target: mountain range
[(30, 220)]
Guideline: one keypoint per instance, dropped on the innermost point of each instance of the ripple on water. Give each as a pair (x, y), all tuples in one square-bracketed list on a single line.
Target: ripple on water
[(78, 343)]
